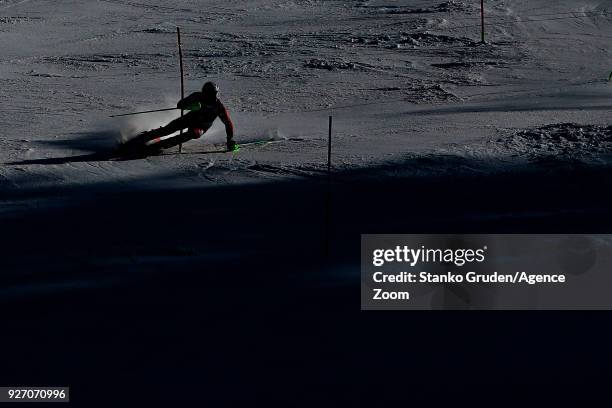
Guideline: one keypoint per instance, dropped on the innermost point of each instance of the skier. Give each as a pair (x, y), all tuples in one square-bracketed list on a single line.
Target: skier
[(204, 108)]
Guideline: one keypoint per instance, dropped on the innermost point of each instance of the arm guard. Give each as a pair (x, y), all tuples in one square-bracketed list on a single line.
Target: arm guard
[(189, 100)]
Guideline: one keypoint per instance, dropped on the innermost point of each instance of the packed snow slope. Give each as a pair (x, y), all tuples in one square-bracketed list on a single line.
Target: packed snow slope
[(206, 268), (399, 77)]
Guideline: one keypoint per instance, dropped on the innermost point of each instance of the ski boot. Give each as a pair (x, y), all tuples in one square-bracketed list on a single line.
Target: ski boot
[(138, 143)]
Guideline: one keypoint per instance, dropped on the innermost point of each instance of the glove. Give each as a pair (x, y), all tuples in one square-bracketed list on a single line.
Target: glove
[(232, 146), (194, 106)]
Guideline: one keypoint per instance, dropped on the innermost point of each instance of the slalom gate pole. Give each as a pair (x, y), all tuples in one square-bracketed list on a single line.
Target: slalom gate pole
[(141, 112), (178, 33), (328, 195), (482, 22), (329, 150)]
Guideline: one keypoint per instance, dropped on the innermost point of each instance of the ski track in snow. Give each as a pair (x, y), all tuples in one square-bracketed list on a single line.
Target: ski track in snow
[(12, 4)]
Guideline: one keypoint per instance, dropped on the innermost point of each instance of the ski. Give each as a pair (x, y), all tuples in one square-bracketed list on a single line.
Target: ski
[(138, 148), (252, 143)]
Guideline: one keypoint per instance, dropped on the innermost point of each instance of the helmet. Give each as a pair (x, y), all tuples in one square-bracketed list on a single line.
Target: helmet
[(210, 90)]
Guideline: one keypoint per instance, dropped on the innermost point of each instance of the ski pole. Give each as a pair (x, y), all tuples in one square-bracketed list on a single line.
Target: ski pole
[(138, 113)]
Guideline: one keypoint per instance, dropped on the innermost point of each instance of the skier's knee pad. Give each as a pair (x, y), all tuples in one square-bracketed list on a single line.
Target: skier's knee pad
[(197, 133)]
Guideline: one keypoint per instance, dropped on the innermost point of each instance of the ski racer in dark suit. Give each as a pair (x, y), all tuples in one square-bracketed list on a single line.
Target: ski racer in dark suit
[(204, 107)]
